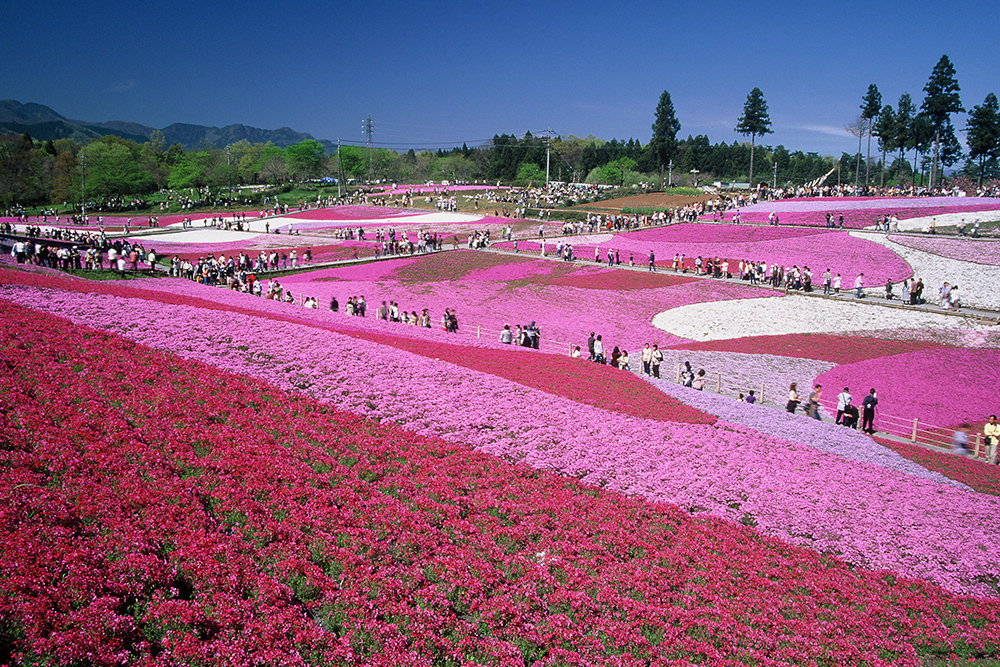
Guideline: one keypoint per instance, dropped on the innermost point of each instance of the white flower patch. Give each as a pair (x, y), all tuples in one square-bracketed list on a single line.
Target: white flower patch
[(793, 314), (946, 220), (204, 235), (977, 283)]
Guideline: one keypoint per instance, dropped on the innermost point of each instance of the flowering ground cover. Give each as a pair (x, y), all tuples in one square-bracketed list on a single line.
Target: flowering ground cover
[(883, 518), (173, 514), (977, 281), (798, 314), (982, 478), (819, 249), (821, 435), (941, 386), (348, 213), (839, 349), (859, 212), (966, 250), (567, 300)]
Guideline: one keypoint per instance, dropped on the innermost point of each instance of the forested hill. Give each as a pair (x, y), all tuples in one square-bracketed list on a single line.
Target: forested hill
[(44, 123)]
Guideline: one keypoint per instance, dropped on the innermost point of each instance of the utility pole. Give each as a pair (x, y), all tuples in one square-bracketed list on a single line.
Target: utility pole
[(670, 173), (340, 172), (83, 188), (229, 175), (548, 148), (368, 128), (694, 173), (774, 182)]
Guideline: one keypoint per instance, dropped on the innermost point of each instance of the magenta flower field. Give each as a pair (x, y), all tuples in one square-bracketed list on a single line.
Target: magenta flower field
[(818, 249)]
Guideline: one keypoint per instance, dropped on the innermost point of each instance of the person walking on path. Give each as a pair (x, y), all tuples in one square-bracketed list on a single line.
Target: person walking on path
[(793, 398), (868, 412), (859, 285), (812, 408)]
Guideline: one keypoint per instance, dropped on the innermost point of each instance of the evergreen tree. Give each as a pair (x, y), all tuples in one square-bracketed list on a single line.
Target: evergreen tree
[(885, 130), (755, 121), (905, 113), (663, 145), (941, 101), (870, 108), (983, 135)]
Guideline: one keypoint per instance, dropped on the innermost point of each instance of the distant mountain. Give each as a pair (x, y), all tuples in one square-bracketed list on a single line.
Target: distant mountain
[(42, 122)]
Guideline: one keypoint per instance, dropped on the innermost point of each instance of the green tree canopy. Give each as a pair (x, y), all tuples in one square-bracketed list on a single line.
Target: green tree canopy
[(305, 159), (755, 121), (871, 105), (663, 145), (983, 135), (940, 102)]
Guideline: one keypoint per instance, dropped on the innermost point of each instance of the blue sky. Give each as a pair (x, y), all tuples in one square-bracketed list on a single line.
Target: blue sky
[(438, 73)]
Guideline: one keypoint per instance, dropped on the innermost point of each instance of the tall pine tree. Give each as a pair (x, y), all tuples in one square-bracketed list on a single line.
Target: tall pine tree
[(755, 121), (885, 130), (870, 107), (983, 135), (663, 145), (941, 101)]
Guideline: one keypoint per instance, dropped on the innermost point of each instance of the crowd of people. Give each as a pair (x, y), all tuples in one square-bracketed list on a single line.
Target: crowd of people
[(527, 336)]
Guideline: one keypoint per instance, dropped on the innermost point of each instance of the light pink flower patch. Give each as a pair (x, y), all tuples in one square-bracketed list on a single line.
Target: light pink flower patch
[(941, 387), (860, 212), (967, 250)]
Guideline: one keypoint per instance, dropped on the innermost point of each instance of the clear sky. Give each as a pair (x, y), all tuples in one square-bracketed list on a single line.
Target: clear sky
[(440, 73)]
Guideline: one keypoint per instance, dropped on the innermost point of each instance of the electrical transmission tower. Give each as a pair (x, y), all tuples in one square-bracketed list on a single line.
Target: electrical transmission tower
[(368, 129)]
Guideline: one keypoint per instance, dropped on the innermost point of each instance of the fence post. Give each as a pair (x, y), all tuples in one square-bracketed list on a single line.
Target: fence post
[(913, 437), (678, 373), (979, 438), (993, 451), (762, 385), (479, 332), (718, 384)]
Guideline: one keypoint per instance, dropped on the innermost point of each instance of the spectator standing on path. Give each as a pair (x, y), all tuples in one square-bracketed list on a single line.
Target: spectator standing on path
[(657, 359), (590, 346), (859, 285), (687, 375), (843, 402), (699, 380), (945, 293), (868, 412), (506, 336), (598, 355), (836, 285), (652, 261), (647, 359), (827, 282), (991, 432)]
